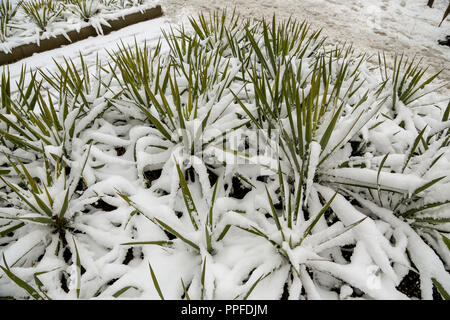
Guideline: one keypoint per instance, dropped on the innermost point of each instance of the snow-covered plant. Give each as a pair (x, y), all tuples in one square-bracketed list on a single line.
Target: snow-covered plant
[(201, 234), (407, 79), (7, 12), (42, 12), (85, 9), (35, 121), (307, 106), (313, 100), (8, 9), (186, 105), (3, 28), (42, 205), (52, 230)]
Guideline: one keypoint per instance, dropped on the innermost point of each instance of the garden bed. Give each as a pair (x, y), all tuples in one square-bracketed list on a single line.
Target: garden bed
[(229, 159), (18, 48)]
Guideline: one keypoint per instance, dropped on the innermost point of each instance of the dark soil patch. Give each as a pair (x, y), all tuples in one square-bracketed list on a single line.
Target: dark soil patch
[(238, 189), (104, 206), (151, 176)]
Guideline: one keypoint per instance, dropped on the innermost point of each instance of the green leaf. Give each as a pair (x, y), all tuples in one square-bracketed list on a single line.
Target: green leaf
[(413, 148), (157, 243), (11, 229), (20, 195), (39, 283), (178, 235), (274, 214), (254, 286), (42, 220), (118, 293), (185, 290), (65, 205), (318, 216), (378, 176), (445, 295), (31, 291), (446, 241), (155, 282), (256, 122), (224, 232), (188, 200), (78, 266), (212, 203), (414, 211), (203, 279), (427, 185)]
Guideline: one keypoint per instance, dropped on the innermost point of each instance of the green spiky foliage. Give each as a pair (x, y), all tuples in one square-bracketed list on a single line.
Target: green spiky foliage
[(85, 9), (3, 28), (42, 12), (308, 104), (42, 124), (7, 12), (43, 159), (8, 9), (44, 202), (407, 79), (156, 86)]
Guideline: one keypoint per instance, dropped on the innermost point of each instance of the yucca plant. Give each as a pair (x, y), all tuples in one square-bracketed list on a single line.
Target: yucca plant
[(57, 212), (43, 202), (7, 12), (185, 119), (33, 119), (8, 9), (85, 9), (198, 227), (42, 12), (426, 213), (284, 87), (315, 105), (201, 227), (407, 79), (311, 133)]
